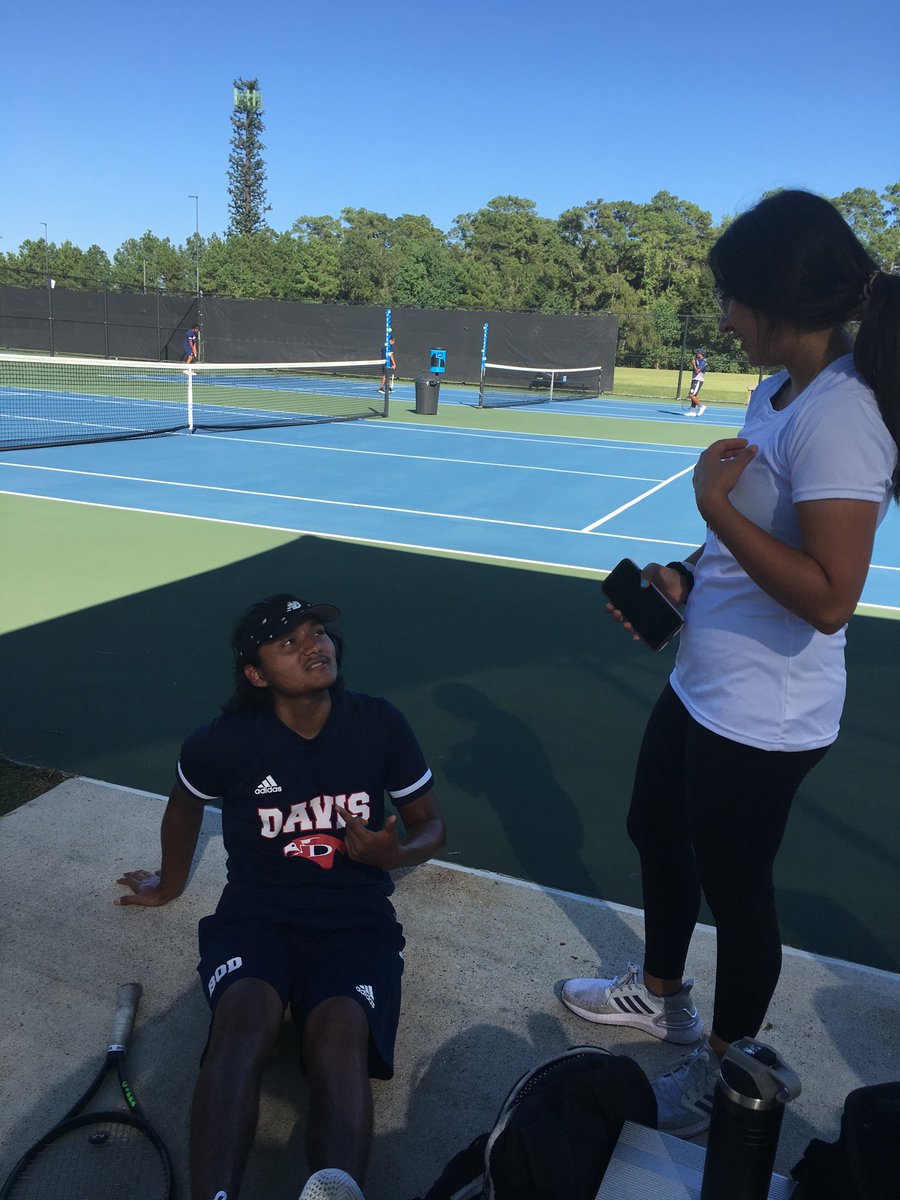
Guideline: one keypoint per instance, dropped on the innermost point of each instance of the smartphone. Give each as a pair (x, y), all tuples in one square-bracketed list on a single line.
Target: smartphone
[(648, 611)]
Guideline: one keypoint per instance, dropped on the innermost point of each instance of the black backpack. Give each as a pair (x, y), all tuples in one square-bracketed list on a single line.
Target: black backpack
[(864, 1163), (555, 1132)]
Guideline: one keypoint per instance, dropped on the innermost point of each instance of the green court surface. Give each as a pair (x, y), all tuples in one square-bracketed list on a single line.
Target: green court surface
[(114, 632)]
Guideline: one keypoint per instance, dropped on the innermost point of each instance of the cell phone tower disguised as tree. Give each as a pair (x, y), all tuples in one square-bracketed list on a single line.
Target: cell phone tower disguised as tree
[(246, 168)]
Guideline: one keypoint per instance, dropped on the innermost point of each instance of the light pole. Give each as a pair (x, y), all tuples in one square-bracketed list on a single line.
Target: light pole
[(196, 200), (49, 291)]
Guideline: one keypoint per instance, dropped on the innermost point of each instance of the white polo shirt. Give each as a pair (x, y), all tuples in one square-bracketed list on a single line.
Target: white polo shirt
[(746, 667)]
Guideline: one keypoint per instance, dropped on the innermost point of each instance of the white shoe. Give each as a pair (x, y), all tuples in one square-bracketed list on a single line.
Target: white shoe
[(691, 412), (684, 1095), (626, 1001), (701, 410), (331, 1184)]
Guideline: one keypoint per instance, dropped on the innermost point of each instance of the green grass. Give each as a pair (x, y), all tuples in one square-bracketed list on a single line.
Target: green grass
[(20, 783), (645, 382)]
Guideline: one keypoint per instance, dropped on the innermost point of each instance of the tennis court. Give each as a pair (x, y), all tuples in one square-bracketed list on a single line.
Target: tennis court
[(133, 557), (542, 499)]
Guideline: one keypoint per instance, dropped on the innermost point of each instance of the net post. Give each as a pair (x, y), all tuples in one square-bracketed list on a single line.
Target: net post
[(552, 381), (190, 399), (681, 359), (388, 378), (51, 284), (484, 344)]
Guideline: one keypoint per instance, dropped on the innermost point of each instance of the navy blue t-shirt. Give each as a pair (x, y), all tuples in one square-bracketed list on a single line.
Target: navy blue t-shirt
[(282, 834)]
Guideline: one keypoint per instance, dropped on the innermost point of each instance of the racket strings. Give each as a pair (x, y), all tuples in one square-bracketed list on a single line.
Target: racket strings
[(103, 1159)]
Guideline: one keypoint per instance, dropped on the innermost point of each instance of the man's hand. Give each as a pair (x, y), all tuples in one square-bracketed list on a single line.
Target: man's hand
[(377, 848), (146, 888)]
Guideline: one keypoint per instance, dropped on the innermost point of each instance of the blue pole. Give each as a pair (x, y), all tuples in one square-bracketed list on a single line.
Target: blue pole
[(484, 341)]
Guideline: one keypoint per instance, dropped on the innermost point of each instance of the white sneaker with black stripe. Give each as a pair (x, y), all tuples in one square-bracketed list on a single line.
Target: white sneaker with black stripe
[(684, 1095), (626, 1001)]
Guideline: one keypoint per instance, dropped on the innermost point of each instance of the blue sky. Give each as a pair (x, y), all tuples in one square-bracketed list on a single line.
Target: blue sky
[(116, 114)]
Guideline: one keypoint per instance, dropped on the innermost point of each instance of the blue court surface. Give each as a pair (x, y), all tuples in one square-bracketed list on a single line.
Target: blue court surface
[(565, 502), (665, 410)]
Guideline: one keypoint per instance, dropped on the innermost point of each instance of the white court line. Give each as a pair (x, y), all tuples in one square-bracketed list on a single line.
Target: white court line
[(600, 444), (424, 547), (441, 458), (636, 500), (207, 487)]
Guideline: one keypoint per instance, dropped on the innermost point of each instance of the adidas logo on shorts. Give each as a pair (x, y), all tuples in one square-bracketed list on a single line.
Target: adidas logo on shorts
[(365, 990), (268, 785)]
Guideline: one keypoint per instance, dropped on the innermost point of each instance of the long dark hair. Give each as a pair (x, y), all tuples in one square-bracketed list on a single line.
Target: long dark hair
[(794, 259), (249, 699)]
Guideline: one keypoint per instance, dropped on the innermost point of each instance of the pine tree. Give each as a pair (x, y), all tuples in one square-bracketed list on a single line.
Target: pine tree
[(246, 169)]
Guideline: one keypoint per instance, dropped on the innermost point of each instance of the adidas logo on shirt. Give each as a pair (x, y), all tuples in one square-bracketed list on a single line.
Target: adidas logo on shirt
[(268, 785), (365, 990)]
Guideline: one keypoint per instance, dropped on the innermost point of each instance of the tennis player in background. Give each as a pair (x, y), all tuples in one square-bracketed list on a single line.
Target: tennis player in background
[(300, 767), (192, 344), (387, 375), (699, 367)]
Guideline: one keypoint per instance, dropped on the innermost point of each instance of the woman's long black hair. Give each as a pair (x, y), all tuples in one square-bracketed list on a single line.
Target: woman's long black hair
[(794, 259)]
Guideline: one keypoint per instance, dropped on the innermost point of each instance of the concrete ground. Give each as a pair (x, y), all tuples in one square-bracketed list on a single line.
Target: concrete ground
[(484, 955)]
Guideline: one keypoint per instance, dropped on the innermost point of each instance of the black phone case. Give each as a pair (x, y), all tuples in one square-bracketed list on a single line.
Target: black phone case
[(645, 608)]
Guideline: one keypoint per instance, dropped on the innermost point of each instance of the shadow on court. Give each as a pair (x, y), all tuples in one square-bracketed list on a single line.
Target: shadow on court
[(528, 702)]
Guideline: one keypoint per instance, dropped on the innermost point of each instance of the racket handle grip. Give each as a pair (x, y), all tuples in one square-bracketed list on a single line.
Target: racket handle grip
[(128, 996)]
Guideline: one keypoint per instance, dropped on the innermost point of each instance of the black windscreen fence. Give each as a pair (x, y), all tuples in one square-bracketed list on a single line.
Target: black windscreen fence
[(153, 326), (51, 320)]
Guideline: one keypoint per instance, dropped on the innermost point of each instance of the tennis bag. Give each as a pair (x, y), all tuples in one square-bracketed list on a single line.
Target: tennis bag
[(863, 1164), (555, 1132)]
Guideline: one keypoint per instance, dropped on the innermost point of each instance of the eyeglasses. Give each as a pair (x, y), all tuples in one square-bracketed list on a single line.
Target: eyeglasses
[(722, 299)]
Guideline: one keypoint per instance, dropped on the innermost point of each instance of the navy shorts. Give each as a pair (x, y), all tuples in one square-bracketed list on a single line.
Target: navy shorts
[(306, 967), (696, 385)]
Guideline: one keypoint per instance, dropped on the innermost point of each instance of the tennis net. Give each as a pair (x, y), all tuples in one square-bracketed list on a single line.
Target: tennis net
[(502, 385), (48, 401)]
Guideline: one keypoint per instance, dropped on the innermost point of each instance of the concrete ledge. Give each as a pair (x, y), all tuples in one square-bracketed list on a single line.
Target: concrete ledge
[(483, 958)]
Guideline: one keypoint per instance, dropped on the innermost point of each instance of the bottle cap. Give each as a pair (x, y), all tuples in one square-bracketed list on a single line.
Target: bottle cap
[(755, 1072)]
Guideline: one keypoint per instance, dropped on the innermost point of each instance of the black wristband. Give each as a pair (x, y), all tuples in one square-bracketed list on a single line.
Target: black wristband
[(686, 575)]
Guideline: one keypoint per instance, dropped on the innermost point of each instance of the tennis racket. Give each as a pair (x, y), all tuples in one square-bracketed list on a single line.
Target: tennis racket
[(98, 1155)]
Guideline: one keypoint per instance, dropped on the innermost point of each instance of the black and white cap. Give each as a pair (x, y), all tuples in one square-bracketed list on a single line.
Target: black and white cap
[(272, 617)]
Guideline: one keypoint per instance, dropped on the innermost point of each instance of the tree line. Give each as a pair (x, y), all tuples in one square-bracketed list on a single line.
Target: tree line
[(643, 262)]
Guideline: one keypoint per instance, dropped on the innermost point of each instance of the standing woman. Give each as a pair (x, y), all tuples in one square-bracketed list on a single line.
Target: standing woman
[(755, 698)]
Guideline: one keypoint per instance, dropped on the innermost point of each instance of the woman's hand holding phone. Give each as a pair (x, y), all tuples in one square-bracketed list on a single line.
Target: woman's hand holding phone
[(645, 602), (669, 581)]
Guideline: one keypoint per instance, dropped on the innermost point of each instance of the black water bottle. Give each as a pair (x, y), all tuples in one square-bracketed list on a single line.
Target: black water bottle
[(752, 1089)]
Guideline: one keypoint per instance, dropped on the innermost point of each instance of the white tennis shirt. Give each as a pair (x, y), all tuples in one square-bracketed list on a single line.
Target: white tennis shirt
[(746, 667)]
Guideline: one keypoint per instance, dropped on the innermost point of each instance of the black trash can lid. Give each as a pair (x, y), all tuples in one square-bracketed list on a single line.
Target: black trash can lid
[(426, 379)]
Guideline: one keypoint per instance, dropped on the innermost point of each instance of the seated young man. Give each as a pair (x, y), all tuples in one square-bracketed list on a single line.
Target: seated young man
[(300, 766)]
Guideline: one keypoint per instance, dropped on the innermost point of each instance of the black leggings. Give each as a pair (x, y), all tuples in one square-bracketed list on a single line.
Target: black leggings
[(710, 813)]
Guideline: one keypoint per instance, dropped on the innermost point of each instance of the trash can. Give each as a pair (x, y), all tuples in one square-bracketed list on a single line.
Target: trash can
[(427, 389)]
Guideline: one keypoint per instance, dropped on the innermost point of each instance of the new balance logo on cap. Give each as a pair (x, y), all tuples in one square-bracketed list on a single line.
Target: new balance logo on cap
[(365, 989), (268, 785)]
